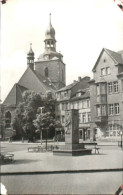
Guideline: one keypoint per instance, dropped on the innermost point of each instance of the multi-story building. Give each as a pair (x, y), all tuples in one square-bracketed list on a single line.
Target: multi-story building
[(76, 96), (106, 95)]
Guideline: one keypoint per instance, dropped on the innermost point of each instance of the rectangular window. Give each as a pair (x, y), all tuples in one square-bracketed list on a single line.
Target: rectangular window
[(63, 106), (88, 103), (89, 117), (66, 106), (122, 84), (98, 90), (58, 107), (115, 86), (108, 70), (84, 117), (98, 111), (78, 105), (84, 104), (103, 89), (80, 119), (110, 87), (116, 108), (103, 71), (111, 109), (72, 105), (65, 94), (103, 110)]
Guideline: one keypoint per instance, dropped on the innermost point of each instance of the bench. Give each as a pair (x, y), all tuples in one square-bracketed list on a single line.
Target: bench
[(9, 157), (36, 149), (4, 158), (96, 149), (33, 149)]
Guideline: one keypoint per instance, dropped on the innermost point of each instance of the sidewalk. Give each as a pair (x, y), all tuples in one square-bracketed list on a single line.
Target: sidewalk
[(26, 162)]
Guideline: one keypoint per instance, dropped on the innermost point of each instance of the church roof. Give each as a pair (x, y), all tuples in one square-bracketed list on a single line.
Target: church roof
[(46, 81), (32, 80), (15, 95), (30, 51), (116, 56)]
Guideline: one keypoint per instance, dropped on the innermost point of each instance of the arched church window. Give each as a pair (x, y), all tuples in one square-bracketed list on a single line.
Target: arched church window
[(46, 72), (7, 119)]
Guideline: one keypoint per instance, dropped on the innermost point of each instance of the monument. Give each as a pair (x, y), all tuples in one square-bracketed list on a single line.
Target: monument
[(72, 146)]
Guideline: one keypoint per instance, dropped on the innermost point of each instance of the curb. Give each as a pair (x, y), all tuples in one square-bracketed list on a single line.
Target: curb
[(62, 171)]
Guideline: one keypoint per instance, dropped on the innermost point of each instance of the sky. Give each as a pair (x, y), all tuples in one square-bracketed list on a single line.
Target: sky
[(83, 28)]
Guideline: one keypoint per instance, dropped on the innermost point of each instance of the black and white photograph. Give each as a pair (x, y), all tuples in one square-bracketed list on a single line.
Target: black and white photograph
[(61, 97)]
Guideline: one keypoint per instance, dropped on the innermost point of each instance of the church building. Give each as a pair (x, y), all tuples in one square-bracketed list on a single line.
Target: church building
[(46, 74)]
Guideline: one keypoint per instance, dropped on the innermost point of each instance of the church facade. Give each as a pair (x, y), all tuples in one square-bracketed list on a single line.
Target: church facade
[(46, 74)]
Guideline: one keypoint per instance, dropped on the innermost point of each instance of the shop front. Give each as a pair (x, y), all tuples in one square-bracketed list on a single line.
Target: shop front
[(84, 132)]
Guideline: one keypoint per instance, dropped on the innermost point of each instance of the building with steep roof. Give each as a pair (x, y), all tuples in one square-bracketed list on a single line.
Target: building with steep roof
[(106, 95), (75, 96), (46, 74)]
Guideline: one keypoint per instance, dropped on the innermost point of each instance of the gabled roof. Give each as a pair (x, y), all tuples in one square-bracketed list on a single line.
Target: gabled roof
[(68, 87), (46, 81), (30, 80), (15, 95), (116, 56), (33, 81), (83, 96)]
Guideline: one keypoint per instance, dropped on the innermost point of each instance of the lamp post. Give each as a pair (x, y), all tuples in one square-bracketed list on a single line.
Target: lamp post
[(121, 133)]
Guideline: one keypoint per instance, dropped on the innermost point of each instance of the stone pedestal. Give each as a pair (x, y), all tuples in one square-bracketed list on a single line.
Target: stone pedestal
[(72, 146)]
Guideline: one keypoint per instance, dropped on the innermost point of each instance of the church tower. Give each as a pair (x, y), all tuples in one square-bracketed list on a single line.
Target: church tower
[(50, 42), (30, 58), (50, 64)]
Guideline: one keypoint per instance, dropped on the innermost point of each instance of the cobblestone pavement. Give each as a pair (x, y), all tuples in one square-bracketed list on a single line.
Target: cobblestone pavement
[(80, 183)]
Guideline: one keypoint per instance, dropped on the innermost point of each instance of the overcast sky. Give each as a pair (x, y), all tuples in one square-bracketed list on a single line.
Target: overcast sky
[(83, 28)]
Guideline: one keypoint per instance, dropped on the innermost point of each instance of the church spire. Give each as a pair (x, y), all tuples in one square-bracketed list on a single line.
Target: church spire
[(30, 58), (50, 42), (50, 18)]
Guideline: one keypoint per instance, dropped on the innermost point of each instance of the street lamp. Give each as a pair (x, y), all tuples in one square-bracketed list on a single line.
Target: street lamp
[(121, 133)]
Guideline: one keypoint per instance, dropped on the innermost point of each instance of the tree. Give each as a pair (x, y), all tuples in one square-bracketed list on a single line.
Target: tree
[(25, 113), (46, 121), (18, 121)]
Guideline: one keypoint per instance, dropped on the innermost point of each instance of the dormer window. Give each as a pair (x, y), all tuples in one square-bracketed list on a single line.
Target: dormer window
[(78, 94)]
